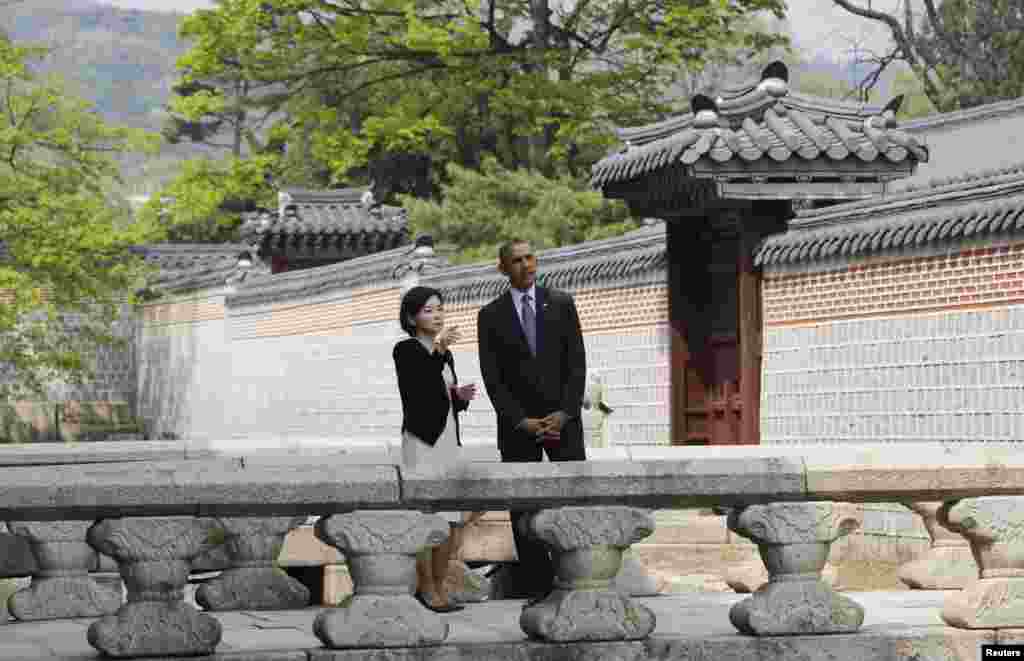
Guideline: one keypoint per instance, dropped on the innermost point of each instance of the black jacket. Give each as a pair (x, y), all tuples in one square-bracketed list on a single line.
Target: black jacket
[(421, 384), (522, 385)]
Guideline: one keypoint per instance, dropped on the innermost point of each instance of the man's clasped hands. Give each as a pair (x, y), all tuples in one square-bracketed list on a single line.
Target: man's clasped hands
[(547, 429)]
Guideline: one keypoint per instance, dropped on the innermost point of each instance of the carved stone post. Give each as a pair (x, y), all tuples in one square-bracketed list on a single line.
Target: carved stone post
[(794, 541), (253, 582), (587, 544), (61, 585), (154, 557), (381, 549), (948, 564), (994, 526)]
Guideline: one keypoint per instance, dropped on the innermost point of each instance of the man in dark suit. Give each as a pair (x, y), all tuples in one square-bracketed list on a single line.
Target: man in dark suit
[(534, 367)]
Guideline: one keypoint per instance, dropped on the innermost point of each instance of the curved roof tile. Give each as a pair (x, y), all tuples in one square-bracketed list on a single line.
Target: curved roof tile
[(756, 121), (313, 214)]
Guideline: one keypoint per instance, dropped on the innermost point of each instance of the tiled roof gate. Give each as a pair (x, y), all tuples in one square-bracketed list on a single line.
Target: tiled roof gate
[(315, 228), (725, 177)]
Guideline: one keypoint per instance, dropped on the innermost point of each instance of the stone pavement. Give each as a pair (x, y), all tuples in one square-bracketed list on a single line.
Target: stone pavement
[(899, 626)]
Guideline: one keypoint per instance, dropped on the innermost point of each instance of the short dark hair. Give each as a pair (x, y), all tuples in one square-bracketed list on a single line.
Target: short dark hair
[(505, 251), (412, 303)]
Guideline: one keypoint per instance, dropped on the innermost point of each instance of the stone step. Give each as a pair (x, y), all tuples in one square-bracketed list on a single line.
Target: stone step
[(899, 626)]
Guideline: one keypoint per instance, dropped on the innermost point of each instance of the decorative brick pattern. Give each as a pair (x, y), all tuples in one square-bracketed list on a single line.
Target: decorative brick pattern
[(184, 311), (601, 310), (980, 277), (334, 316), (290, 380)]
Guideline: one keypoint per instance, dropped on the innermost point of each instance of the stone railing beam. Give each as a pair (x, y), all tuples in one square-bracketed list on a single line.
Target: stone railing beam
[(587, 544), (154, 556), (267, 486), (381, 548), (794, 541), (994, 527), (236, 487), (948, 564)]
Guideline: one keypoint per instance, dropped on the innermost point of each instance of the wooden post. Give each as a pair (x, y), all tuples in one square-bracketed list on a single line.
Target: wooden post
[(749, 335), (677, 331), (766, 217)]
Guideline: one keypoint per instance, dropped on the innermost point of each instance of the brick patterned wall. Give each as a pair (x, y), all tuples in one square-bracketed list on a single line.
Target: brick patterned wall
[(915, 348), (184, 310), (601, 310), (328, 316), (322, 367), (978, 277)]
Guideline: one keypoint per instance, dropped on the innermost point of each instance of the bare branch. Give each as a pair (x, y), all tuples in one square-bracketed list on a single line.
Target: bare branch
[(956, 45)]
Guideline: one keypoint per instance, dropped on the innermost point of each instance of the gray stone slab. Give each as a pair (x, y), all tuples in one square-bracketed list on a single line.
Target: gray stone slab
[(913, 472), (665, 484), (16, 556), (227, 487), (900, 626), (37, 454)]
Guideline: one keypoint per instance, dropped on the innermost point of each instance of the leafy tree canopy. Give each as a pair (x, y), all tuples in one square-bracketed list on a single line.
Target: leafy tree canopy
[(203, 203), (520, 203), (64, 246), (533, 83)]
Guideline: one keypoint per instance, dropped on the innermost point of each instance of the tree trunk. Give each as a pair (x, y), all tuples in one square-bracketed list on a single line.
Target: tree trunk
[(540, 15)]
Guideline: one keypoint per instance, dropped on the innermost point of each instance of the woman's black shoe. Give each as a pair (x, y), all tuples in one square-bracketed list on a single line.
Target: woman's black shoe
[(450, 608)]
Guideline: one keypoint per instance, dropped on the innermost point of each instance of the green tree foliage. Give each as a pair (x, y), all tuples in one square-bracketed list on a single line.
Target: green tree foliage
[(483, 209), (915, 102), (227, 109), (821, 83), (533, 83), (65, 270), (204, 202)]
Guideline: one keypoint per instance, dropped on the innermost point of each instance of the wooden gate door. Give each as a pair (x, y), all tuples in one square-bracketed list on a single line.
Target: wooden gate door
[(714, 408)]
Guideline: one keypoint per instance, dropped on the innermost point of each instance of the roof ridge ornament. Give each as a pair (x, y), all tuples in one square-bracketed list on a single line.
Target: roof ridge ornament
[(283, 201), (890, 110), (705, 111), (775, 80)]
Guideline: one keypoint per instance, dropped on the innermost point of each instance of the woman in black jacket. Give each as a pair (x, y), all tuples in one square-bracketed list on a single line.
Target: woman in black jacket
[(431, 402)]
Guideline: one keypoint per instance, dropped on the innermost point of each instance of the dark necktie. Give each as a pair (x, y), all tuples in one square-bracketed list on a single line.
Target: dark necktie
[(530, 324)]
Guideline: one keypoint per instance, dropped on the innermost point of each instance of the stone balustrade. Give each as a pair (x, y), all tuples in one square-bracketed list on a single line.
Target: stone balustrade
[(154, 518)]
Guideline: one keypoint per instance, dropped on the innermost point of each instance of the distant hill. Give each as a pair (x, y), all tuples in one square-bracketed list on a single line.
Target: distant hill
[(121, 60)]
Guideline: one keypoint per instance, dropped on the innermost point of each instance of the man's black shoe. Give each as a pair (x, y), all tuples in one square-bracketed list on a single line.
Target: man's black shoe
[(536, 600)]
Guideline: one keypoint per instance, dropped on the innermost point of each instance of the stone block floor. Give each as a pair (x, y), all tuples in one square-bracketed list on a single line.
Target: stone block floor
[(899, 626)]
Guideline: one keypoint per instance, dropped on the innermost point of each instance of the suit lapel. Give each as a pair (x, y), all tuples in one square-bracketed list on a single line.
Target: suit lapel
[(541, 296)]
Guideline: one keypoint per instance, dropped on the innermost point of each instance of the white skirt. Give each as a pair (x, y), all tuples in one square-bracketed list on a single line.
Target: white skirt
[(444, 453)]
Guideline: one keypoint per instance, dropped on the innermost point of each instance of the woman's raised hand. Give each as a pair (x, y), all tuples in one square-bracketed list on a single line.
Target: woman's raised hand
[(448, 336)]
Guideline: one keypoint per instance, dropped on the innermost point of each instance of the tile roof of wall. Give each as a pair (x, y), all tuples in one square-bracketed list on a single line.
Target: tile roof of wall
[(187, 266), (375, 269), (640, 255), (997, 109), (628, 256), (987, 202), (755, 121), (315, 214)]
